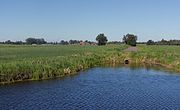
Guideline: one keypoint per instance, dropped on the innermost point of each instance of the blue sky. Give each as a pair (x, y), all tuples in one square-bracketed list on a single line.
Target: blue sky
[(55, 20)]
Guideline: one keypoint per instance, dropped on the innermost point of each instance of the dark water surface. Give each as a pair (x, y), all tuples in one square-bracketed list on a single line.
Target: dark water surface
[(120, 88)]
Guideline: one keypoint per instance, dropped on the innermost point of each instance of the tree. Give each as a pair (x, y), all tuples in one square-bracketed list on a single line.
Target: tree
[(150, 42), (40, 41), (164, 42), (64, 42), (18, 42), (130, 39), (74, 41), (35, 41), (124, 39), (8, 42), (102, 39)]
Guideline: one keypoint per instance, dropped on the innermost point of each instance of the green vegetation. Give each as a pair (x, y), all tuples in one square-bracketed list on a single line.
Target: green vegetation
[(166, 56), (43, 62), (130, 39), (35, 41), (102, 39), (27, 62), (164, 42), (150, 42)]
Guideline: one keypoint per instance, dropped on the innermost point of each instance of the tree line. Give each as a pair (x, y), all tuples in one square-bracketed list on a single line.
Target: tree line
[(28, 41), (39, 41), (101, 39), (164, 42), (129, 39)]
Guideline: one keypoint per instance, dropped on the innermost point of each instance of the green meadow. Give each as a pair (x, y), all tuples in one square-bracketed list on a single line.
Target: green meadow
[(27, 62), (164, 55), (19, 63)]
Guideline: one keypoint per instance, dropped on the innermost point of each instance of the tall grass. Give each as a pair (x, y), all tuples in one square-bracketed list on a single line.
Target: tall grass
[(167, 56), (19, 63)]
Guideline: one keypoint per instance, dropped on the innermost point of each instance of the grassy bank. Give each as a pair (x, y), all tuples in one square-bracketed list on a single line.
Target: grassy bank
[(167, 56), (18, 63)]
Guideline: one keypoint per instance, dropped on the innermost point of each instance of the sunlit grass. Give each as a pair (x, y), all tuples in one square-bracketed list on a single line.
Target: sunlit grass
[(49, 61), (168, 56), (42, 62)]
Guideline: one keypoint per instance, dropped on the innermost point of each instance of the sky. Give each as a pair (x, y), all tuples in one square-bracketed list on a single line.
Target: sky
[(56, 20)]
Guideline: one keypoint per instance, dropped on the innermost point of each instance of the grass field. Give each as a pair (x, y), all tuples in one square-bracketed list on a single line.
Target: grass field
[(43, 62), (19, 63), (167, 56)]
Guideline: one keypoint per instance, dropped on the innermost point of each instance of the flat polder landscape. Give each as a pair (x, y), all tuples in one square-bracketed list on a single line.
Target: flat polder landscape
[(89, 55), (89, 77)]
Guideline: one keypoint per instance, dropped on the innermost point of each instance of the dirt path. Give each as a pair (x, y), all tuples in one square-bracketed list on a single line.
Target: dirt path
[(131, 49)]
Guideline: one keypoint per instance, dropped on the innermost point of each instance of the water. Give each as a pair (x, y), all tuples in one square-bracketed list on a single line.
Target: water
[(120, 88)]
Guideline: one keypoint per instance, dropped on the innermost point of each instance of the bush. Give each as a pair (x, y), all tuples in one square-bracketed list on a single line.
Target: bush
[(150, 42)]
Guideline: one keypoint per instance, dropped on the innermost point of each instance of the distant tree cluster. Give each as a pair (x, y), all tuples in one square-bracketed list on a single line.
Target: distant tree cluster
[(101, 39), (71, 42), (13, 43), (150, 42), (28, 41), (74, 41), (64, 42), (130, 39), (163, 42), (35, 41), (90, 42)]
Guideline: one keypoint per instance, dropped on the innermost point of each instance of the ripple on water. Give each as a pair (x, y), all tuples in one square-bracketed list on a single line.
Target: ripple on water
[(97, 88)]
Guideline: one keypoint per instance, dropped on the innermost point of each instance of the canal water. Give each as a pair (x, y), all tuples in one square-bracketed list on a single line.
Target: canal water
[(120, 88)]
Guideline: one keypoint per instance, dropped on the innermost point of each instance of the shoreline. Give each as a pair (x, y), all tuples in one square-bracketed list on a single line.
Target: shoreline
[(62, 66), (110, 64)]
